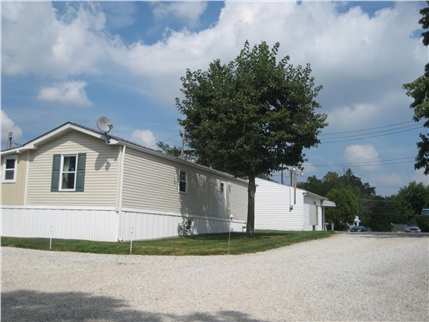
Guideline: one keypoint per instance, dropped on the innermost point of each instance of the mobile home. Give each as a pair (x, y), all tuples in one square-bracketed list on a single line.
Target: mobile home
[(74, 182), (281, 207)]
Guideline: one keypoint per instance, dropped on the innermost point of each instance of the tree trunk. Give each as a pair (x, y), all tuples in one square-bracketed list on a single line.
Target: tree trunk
[(250, 227)]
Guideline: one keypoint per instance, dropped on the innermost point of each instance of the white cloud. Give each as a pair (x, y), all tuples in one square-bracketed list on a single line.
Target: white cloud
[(419, 176), (145, 137), (309, 168), (389, 180), (350, 117), (186, 11), (364, 155), (8, 125), (351, 53), (36, 41), (68, 93)]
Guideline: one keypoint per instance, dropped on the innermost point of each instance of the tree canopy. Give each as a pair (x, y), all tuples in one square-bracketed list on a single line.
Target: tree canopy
[(333, 179), (346, 190), (419, 91), (413, 198), (169, 149), (347, 206), (378, 212), (251, 116)]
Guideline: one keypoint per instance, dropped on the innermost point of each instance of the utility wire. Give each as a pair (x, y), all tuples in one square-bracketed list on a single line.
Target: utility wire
[(372, 132), (392, 163), (368, 165), (370, 162), (369, 128), (361, 137)]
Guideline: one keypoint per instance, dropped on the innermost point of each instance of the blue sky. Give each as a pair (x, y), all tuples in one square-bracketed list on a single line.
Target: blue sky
[(77, 61)]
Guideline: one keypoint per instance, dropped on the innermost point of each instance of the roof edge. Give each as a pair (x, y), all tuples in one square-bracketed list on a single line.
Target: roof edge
[(114, 140)]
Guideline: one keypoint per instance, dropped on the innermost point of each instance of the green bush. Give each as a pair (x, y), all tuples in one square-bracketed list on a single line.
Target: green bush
[(423, 223)]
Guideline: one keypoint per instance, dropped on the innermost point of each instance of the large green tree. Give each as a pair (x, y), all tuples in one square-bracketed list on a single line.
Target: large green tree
[(251, 116), (347, 206), (419, 91), (333, 179), (381, 212), (412, 198), (169, 149), (377, 212)]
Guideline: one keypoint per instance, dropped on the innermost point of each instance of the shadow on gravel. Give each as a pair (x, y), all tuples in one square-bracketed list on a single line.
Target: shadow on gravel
[(390, 235), (23, 305)]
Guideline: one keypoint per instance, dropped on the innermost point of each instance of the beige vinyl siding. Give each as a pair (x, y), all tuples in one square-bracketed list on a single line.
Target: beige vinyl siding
[(101, 172), (12, 193), (151, 183)]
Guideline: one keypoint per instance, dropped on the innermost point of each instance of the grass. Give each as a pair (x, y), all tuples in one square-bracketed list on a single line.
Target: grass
[(213, 244)]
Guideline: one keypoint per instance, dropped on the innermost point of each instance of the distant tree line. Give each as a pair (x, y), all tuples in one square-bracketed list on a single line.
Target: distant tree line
[(355, 197)]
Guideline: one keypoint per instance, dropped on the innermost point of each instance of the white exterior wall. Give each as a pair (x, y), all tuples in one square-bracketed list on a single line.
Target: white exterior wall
[(139, 225), (100, 224), (273, 209), (65, 223), (313, 213)]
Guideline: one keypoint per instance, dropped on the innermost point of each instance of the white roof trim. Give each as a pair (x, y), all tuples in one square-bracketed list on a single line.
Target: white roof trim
[(328, 203), (325, 201), (33, 144)]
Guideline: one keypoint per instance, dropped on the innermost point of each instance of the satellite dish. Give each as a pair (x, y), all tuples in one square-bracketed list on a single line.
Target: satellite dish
[(104, 124)]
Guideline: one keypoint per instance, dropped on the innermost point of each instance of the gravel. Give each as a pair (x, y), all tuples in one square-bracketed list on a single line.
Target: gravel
[(342, 278)]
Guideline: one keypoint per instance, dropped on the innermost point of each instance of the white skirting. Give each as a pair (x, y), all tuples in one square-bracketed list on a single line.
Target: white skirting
[(102, 224)]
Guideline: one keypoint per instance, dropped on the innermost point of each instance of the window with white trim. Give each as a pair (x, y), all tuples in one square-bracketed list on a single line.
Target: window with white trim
[(182, 181), (9, 169), (68, 172)]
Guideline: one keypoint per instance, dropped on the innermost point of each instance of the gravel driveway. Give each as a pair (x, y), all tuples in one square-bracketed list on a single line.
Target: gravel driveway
[(345, 277)]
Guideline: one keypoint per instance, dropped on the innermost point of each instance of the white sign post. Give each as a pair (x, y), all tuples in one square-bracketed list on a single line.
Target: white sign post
[(131, 239), (229, 231), (51, 232)]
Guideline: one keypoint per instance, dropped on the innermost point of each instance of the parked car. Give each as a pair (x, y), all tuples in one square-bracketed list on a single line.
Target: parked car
[(358, 229), (413, 229)]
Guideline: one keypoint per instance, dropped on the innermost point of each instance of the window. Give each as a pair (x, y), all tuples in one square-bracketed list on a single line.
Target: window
[(9, 173), (68, 172), (182, 181)]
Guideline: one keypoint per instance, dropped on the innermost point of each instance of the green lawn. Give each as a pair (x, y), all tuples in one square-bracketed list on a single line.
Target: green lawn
[(215, 244)]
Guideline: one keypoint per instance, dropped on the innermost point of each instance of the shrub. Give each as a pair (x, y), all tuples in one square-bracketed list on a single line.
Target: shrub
[(423, 223)]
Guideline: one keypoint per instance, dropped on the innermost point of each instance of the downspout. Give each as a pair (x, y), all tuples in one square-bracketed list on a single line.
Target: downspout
[(323, 214), (120, 190), (27, 175)]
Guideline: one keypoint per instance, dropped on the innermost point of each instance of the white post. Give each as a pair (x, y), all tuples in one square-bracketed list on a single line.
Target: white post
[(51, 231), (131, 240), (229, 231)]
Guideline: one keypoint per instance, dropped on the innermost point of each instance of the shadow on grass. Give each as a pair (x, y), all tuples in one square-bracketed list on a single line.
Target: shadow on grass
[(25, 305)]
